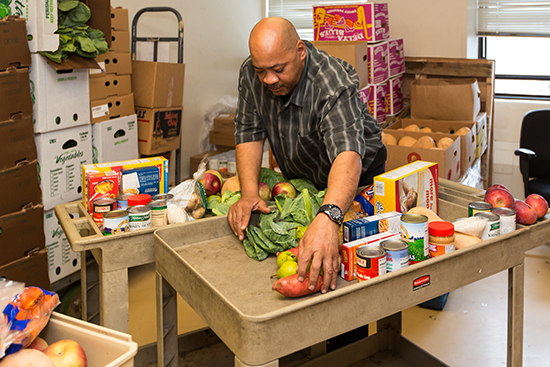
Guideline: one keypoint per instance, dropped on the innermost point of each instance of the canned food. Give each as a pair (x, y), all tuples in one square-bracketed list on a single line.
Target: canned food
[(139, 217), (507, 219), (222, 165), (371, 262), (139, 199), (477, 207), (116, 221), (414, 231), (397, 254), (492, 229), (159, 215), (232, 167), (164, 197), (122, 200), (213, 164), (100, 207)]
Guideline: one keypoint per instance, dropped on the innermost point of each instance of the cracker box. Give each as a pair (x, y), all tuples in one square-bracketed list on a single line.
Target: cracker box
[(62, 260), (359, 22), (374, 96), (414, 184), (348, 268), (394, 96), (396, 57), (367, 226)]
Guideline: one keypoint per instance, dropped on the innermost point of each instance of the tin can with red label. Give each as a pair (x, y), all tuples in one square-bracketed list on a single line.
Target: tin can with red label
[(371, 262), (102, 206)]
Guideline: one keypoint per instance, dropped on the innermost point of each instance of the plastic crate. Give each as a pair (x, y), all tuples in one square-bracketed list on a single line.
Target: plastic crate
[(104, 347)]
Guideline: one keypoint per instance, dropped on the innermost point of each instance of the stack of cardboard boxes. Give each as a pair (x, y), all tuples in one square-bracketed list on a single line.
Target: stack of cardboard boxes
[(114, 123), (23, 253)]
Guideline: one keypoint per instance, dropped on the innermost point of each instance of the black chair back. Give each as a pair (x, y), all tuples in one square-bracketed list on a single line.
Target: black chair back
[(535, 135)]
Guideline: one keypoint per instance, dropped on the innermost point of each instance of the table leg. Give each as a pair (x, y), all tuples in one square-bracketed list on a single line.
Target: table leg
[(389, 330), (238, 363), (167, 316), (113, 300), (516, 276)]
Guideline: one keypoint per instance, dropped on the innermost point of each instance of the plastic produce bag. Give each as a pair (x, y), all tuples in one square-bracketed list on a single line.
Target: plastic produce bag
[(27, 314), (472, 226), (189, 195), (8, 290), (227, 104)]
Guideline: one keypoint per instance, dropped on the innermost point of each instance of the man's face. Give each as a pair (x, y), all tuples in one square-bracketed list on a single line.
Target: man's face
[(280, 71)]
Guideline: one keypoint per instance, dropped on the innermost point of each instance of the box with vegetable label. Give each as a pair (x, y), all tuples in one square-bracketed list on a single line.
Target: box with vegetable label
[(374, 97), (356, 22), (60, 155), (17, 141), (112, 108), (396, 57), (158, 129), (19, 186), (60, 98), (16, 93), (62, 260), (115, 138), (394, 96), (13, 38)]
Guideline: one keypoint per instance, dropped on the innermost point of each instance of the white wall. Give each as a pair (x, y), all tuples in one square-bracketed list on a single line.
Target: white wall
[(215, 44)]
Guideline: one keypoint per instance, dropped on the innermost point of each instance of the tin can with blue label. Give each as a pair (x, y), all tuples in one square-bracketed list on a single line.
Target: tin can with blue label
[(122, 201), (397, 254), (414, 231), (115, 222)]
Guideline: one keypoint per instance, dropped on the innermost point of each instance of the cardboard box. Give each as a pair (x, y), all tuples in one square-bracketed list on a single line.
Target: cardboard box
[(120, 41), (396, 57), (449, 160), (414, 184), (394, 96), (373, 224), (117, 138), (224, 138), (41, 16), (224, 122), (13, 38), (62, 260), (378, 63), (100, 19), (359, 22), (158, 84), (481, 133), (110, 85), (16, 141), (16, 93), (467, 141), (60, 99), (112, 108), (374, 96), (197, 158), (112, 63), (60, 155), (445, 99), (18, 187), (31, 270), (354, 53), (158, 129), (22, 232), (120, 19)]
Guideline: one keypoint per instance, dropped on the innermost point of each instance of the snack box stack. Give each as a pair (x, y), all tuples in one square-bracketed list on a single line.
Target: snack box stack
[(23, 252), (114, 122), (360, 35)]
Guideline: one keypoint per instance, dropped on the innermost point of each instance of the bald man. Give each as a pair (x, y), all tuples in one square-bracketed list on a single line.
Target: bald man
[(307, 104)]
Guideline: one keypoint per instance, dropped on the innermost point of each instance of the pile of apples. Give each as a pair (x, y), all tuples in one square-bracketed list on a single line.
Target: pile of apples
[(527, 212), (63, 353)]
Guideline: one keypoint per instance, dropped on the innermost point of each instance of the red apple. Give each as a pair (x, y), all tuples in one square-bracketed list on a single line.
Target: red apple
[(499, 198), (38, 344), (497, 186), (67, 353), (525, 214), (285, 188), (27, 358), (212, 182), (265, 191), (538, 203)]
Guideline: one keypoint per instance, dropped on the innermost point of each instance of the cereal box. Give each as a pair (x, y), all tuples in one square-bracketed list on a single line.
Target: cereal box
[(360, 22), (348, 252), (367, 226), (414, 184)]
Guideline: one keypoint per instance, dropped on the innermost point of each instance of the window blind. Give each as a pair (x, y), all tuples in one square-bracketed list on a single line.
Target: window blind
[(513, 18)]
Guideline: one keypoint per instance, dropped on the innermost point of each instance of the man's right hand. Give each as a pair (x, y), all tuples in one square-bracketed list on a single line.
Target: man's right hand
[(239, 213)]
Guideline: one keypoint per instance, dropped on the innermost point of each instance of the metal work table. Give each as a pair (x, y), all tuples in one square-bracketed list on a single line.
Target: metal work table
[(206, 265)]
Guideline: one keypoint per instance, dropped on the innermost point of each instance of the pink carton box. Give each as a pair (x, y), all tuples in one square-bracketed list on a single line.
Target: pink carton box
[(374, 96), (361, 22), (396, 57), (377, 59), (394, 96)]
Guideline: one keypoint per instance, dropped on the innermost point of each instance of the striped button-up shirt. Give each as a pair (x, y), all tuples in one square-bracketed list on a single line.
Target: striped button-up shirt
[(323, 117)]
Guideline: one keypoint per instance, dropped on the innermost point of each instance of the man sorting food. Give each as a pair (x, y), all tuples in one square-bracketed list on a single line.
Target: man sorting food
[(307, 104)]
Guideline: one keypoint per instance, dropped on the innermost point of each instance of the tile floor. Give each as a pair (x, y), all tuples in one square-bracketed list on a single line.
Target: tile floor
[(470, 331)]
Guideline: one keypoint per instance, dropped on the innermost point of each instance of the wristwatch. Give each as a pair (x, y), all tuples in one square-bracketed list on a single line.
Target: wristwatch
[(334, 213)]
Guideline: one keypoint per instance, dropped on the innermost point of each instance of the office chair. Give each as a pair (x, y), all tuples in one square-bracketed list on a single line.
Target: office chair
[(534, 153)]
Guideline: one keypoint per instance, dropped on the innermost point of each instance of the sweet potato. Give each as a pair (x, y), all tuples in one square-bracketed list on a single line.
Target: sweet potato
[(291, 287)]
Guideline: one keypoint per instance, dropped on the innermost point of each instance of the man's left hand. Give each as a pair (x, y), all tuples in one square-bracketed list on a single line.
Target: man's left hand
[(320, 243)]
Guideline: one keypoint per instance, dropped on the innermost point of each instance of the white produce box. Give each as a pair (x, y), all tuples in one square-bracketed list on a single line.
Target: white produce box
[(62, 260), (61, 100), (115, 139), (60, 157), (41, 16), (103, 347)]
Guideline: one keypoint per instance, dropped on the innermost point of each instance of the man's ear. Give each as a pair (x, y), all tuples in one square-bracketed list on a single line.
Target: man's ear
[(301, 48)]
